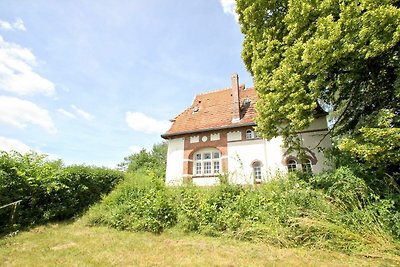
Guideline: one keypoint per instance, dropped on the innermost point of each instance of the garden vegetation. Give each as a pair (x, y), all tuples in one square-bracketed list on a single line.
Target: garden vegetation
[(48, 190), (336, 211)]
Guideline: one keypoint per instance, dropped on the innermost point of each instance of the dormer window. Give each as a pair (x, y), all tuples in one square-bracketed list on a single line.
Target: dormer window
[(246, 102)]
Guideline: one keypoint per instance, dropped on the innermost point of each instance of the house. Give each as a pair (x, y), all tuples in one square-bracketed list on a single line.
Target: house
[(216, 135)]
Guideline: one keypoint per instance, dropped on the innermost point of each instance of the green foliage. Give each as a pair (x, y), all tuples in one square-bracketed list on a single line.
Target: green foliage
[(48, 190), (139, 203), (377, 146), (154, 160), (336, 211), (345, 53), (73, 189)]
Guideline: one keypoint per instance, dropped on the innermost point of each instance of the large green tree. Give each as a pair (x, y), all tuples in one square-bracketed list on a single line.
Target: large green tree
[(154, 160), (344, 53)]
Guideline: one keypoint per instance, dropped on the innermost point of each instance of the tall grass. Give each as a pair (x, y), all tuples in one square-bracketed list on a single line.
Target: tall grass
[(336, 211)]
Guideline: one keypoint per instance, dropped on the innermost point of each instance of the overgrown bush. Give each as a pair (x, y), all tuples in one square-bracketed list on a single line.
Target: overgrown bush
[(334, 211), (139, 203), (48, 190)]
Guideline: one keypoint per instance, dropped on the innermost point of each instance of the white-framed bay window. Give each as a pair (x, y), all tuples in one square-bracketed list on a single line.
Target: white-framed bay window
[(206, 162)]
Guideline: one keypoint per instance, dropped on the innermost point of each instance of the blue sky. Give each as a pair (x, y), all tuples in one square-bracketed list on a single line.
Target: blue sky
[(91, 82)]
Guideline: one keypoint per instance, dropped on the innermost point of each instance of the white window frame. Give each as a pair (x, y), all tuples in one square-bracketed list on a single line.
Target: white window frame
[(207, 162), (306, 166), (251, 134), (257, 171), (292, 165)]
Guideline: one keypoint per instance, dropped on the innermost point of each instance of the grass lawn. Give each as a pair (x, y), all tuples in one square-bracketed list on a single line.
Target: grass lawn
[(74, 244)]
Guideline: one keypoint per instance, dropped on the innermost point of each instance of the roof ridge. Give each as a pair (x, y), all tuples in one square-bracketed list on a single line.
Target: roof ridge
[(214, 91)]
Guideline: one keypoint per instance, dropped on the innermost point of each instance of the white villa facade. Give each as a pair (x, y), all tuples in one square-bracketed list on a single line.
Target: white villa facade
[(215, 136)]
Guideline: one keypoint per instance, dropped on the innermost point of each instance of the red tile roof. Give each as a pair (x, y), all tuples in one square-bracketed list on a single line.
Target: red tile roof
[(214, 110)]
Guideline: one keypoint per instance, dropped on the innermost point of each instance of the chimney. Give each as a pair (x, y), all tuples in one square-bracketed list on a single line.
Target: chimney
[(235, 98)]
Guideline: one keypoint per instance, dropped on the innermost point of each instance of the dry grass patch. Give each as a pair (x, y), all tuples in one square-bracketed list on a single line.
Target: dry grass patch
[(73, 244)]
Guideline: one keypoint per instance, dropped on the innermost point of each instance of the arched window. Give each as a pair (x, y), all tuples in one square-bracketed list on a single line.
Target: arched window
[(306, 165), (206, 162), (291, 165), (257, 171), (249, 134)]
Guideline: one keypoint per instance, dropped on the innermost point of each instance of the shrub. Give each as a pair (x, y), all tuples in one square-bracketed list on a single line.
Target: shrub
[(139, 203), (48, 190)]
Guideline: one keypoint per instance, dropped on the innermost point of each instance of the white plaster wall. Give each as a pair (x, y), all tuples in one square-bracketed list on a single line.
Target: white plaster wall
[(274, 154), (215, 137), (310, 141), (317, 142), (194, 139), (174, 175), (318, 124), (241, 155), (206, 181), (234, 136)]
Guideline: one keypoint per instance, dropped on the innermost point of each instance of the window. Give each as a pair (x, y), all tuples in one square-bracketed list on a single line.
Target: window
[(257, 171), (207, 167), (207, 162), (249, 134), (198, 168), (216, 166), (306, 166), (291, 165)]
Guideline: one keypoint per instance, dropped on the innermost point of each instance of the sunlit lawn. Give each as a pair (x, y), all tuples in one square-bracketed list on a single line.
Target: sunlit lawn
[(73, 244)]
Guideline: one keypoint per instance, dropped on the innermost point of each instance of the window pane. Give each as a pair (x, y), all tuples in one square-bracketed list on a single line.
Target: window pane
[(207, 155), (198, 167), (216, 166), (257, 172), (216, 155), (198, 157), (306, 166), (207, 167), (292, 165)]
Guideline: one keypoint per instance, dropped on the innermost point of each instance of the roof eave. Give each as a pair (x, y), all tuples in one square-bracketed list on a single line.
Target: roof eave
[(169, 135)]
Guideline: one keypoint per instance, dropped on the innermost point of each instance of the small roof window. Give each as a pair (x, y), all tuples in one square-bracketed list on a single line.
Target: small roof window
[(246, 102)]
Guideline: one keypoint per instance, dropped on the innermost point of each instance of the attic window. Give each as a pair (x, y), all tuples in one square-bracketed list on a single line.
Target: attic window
[(246, 102)]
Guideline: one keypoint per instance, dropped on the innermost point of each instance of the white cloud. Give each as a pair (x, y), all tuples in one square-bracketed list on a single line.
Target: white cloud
[(17, 25), (16, 73), (5, 25), (229, 7), (66, 113), (19, 113), (142, 123), (87, 116), (8, 145)]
